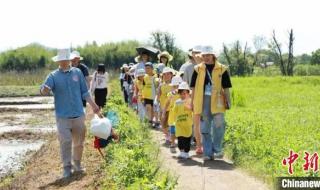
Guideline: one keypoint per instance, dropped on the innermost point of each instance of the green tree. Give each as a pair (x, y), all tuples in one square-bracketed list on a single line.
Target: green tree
[(315, 57), (165, 41)]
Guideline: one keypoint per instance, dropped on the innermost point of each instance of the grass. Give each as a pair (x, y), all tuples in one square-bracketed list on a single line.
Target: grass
[(133, 163), (269, 117)]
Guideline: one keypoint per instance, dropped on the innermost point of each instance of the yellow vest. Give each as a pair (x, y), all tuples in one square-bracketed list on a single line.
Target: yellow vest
[(175, 96), (165, 89), (183, 118), (150, 84), (216, 92)]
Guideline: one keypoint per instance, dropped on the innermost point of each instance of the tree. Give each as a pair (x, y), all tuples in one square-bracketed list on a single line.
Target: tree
[(165, 41), (286, 67), (237, 59), (315, 57), (259, 43)]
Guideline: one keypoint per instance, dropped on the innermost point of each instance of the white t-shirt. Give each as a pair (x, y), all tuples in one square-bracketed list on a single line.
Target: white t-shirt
[(100, 81)]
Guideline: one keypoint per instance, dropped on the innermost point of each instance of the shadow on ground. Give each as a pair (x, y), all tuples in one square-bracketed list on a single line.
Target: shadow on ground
[(63, 182)]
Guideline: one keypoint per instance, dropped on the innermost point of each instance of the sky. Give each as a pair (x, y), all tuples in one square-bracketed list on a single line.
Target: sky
[(60, 23)]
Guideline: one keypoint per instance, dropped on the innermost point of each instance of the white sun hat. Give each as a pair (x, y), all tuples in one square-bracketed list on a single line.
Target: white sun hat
[(167, 70), (176, 80), (62, 55), (183, 86), (75, 54), (197, 48), (141, 72), (208, 50)]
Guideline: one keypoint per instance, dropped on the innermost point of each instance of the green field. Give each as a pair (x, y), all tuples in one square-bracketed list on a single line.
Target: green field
[(270, 116)]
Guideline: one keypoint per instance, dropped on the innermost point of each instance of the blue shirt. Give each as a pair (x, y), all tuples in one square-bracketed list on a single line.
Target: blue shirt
[(69, 89)]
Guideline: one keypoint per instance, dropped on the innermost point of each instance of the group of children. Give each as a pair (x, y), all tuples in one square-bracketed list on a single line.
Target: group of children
[(163, 99)]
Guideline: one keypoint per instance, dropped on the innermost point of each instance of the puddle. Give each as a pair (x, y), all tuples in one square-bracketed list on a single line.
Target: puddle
[(28, 107), (46, 129), (13, 153), (26, 100)]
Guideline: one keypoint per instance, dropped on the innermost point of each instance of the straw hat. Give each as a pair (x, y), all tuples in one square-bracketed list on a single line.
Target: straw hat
[(165, 54), (62, 55)]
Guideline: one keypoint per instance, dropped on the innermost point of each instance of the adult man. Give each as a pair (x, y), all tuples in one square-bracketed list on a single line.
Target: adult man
[(75, 62), (210, 85), (69, 89), (188, 67)]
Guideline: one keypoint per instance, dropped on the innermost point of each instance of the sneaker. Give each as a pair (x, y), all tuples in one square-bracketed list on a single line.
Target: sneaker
[(218, 155), (66, 172), (186, 155), (199, 150), (181, 155), (206, 158)]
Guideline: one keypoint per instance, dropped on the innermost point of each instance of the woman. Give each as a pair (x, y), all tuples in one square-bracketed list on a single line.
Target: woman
[(99, 85), (210, 85), (164, 59)]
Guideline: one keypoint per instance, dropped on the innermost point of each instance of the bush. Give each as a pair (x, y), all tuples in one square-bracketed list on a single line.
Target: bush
[(307, 70)]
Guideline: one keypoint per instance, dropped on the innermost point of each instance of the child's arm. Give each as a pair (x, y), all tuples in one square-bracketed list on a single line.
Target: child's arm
[(166, 106), (187, 104)]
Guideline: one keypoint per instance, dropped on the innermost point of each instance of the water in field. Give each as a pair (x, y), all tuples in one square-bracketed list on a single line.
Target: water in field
[(23, 123)]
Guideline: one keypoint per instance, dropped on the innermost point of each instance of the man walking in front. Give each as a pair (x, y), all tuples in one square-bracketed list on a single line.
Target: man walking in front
[(69, 89)]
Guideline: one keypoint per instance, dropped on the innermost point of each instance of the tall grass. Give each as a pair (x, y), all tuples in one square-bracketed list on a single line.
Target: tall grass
[(269, 117)]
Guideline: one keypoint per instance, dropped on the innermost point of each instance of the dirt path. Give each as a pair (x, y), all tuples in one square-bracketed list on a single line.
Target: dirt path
[(195, 174)]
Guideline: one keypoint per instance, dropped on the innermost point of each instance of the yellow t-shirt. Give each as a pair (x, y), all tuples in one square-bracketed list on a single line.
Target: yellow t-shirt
[(139, 86), (175, 97), (165, 89), (183, 118), (149, 86)]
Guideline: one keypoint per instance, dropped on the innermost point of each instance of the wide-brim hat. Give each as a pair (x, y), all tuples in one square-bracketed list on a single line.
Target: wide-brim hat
[(165, 54), (75, 54), (208, 50), (140, 72), (62, 55), (176, 80), (167, 70), (184, 86)]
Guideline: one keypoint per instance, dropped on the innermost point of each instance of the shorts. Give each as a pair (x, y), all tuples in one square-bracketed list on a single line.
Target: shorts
[(172, 130), (148, 102)]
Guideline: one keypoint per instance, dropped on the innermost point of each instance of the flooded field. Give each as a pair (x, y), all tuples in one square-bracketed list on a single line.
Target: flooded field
[(25, 124)]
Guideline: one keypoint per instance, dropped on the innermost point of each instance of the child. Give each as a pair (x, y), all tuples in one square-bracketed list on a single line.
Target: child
[(164, 89), (182, 116), (99, 85), (138, 87), (150, 84), (171, 98)]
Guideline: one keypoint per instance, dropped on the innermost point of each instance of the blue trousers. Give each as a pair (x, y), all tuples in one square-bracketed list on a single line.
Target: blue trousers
[(212, 129)]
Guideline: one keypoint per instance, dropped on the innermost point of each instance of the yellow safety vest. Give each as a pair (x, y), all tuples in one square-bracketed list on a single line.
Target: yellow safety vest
[(149, 83), (183, 118), (217, 90), (165, 89)]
